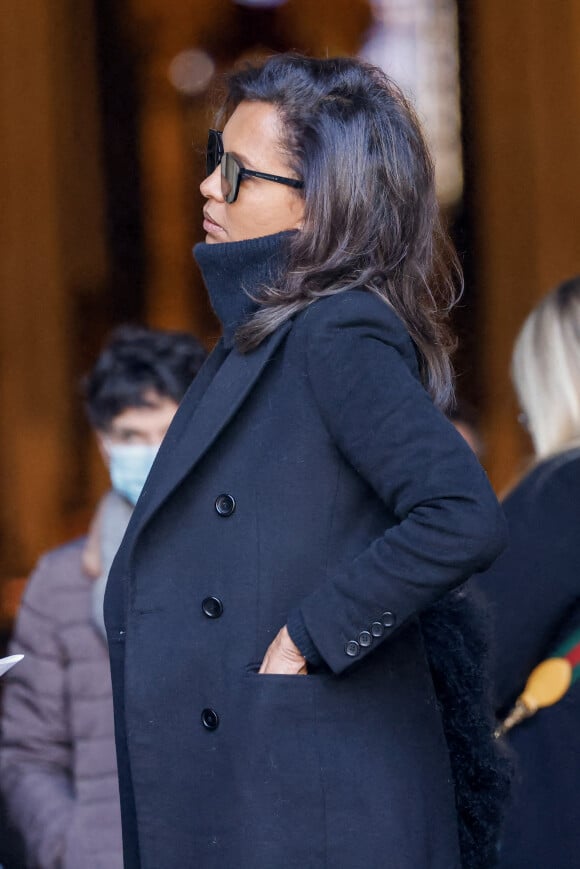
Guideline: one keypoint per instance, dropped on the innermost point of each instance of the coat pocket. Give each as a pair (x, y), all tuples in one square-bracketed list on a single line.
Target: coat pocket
[(278, 773), (253, 671)]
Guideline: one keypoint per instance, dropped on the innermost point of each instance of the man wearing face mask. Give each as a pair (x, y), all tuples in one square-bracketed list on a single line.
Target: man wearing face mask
[(58, 766)]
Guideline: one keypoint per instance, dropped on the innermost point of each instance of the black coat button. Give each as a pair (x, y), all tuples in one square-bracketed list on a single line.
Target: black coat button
[(352, 648), (365, 638), (212, 607), (210, 719), (388, 619), (225, 505), (377, 629)]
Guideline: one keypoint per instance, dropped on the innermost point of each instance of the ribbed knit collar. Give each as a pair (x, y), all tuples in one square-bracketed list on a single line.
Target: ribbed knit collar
[(234, 269)]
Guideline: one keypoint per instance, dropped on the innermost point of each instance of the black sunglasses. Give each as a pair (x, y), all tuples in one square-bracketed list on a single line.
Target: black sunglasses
[(232, 170)]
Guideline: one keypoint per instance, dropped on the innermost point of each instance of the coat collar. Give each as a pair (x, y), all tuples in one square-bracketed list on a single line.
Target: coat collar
[(217, 393)]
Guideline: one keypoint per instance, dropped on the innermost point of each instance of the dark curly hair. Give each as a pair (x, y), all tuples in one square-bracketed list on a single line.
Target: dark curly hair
[(135, 363)]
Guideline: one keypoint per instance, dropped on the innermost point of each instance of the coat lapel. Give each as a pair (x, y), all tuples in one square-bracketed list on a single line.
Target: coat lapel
[(200, 420)]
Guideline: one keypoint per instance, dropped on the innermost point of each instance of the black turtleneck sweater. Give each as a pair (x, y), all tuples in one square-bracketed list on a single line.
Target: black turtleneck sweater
[(235, 271)]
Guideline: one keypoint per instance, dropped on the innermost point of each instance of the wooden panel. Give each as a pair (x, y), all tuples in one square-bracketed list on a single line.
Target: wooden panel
[(526, 73), (50, 244)]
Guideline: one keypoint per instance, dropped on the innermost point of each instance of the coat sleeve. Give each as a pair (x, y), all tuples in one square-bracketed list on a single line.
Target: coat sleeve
[(36, 754), (363, 373)]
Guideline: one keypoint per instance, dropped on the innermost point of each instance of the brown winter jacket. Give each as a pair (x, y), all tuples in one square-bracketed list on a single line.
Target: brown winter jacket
[(58, 766)]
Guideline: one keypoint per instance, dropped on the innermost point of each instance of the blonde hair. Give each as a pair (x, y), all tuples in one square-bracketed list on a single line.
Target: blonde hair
[(546, 370)]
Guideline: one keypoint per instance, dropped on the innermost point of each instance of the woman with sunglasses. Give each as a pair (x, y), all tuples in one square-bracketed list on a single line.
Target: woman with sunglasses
[(274, 705)]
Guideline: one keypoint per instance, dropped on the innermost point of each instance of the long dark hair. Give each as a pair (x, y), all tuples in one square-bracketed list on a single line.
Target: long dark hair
[(371, 215)]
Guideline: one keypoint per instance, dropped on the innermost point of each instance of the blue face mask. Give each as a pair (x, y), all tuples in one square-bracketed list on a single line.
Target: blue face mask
[(129, 466)]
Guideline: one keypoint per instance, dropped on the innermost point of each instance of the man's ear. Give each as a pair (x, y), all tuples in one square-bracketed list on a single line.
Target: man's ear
[(101, 439)]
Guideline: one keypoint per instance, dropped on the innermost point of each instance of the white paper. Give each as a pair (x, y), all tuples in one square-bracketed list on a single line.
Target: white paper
[(7, 663)]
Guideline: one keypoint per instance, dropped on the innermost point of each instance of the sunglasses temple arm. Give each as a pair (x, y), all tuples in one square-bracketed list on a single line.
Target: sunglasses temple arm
[(291, 182)]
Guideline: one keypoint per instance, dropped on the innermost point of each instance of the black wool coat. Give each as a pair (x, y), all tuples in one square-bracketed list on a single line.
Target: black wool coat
[(533, 594), (311, 481)]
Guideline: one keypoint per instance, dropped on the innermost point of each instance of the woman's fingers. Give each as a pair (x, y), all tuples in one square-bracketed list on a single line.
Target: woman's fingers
[(283, 657)]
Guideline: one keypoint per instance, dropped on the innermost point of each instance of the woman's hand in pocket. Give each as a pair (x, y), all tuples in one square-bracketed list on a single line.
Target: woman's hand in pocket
[(283, 658)]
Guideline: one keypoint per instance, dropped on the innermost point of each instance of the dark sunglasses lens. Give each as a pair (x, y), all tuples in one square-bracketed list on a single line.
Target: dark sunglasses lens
[(213, 153), (230, 178)]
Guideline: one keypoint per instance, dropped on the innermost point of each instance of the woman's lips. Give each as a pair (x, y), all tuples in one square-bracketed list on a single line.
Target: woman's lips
[(210, 226)]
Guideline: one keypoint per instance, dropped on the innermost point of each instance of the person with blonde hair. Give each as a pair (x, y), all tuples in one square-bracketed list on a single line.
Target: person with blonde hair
[(546, 371), (533, 591)]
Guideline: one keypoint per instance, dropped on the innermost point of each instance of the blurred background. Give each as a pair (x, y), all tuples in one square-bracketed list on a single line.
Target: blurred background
[(104, 109)]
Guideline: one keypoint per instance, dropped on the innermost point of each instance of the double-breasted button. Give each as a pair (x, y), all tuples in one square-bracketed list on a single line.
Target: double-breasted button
[(365, 638), (388, 619), (377, 629), (210, 719), (212, 607), (352, 648), (225, 505)]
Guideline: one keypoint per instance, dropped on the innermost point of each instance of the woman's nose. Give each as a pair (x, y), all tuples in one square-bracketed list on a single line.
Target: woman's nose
[(211, 187)]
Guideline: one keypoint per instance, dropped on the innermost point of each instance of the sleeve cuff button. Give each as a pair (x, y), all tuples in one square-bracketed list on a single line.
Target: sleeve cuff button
[(352, 648)]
